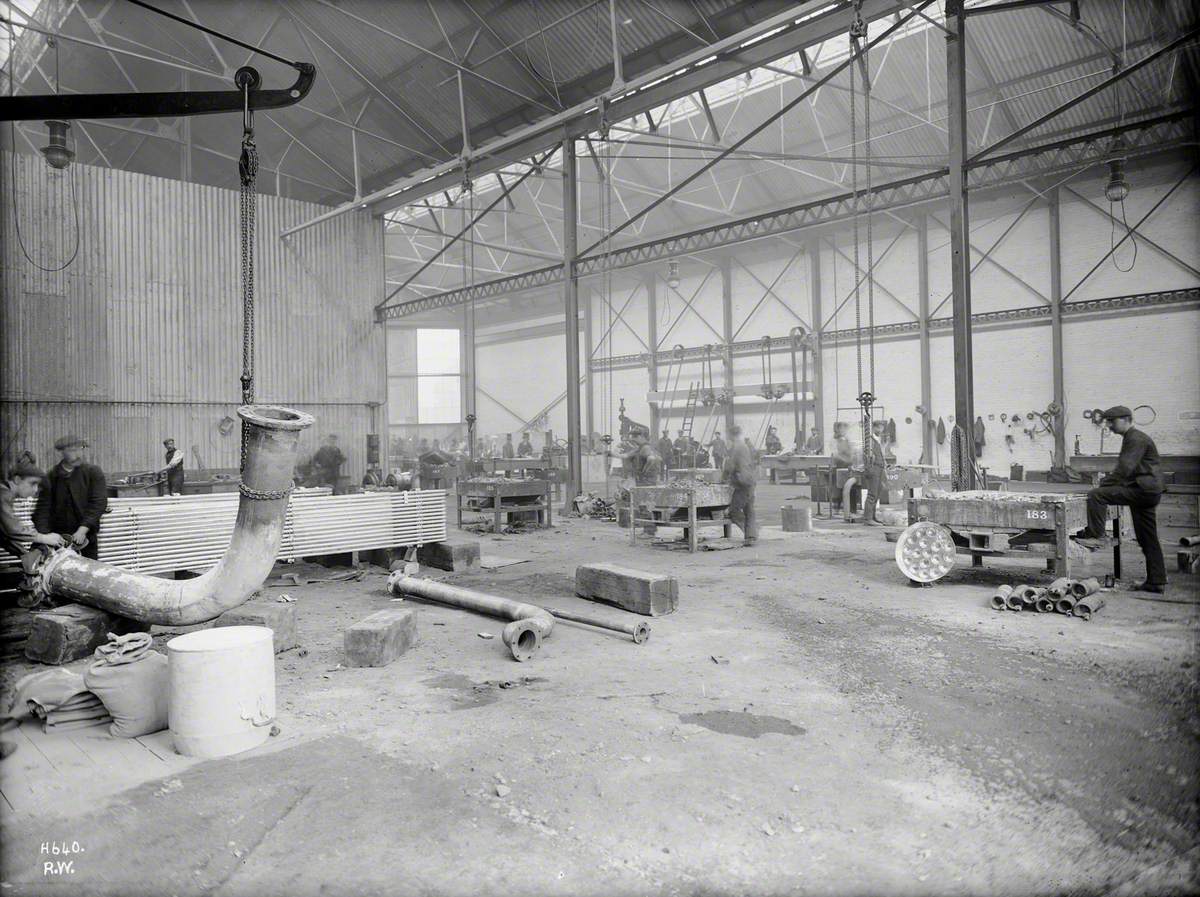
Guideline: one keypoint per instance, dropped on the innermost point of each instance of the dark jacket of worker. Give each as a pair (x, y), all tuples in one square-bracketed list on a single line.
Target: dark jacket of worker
[(1138, 465), (1137, 483), (328, 460), (71, 499)]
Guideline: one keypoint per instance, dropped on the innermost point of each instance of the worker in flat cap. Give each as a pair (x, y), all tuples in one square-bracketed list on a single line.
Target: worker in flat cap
[(174, 468), (75, 496), (16, 536), (1136, 482), (525, 449)]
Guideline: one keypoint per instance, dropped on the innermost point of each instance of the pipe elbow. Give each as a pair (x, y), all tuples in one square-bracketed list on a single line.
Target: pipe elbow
[(272, 435)]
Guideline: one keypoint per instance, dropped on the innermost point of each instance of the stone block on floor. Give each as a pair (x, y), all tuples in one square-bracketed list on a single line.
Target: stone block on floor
[(377, 640), (456, 555), (278, 616), (649, 594)]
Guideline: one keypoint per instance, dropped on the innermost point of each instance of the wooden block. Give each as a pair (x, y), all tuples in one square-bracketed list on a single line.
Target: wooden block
[(380, 638), (73, 631), (649, 594), (453, 554), (278, 616)]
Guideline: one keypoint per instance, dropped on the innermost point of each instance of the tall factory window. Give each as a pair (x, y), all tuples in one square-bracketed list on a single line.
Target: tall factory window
[(439, 400), (423, 377)]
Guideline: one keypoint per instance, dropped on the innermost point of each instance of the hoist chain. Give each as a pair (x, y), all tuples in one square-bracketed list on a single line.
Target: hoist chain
[(248, 173), (854, 32), (866, 63)]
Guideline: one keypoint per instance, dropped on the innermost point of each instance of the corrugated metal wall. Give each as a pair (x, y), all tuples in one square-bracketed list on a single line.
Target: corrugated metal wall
[(140, 338)]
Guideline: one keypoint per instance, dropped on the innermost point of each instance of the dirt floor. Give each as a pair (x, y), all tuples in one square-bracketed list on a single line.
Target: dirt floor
[(805, 723)]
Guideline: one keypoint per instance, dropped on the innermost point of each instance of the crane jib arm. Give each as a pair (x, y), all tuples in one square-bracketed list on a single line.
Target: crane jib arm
[(68, 107)]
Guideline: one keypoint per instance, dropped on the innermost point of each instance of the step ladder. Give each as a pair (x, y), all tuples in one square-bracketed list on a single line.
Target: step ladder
[(689, 410)]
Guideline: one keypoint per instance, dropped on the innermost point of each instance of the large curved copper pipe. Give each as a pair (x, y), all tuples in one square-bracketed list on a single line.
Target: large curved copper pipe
[(272, 434)]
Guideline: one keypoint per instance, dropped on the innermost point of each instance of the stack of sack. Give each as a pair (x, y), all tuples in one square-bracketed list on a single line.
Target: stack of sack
[(131, 679), (60, 699), (125, 688)]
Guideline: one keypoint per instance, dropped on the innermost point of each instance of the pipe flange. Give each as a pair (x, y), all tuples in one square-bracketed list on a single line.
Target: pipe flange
[(641, 632), (524, 638), (275, 417)]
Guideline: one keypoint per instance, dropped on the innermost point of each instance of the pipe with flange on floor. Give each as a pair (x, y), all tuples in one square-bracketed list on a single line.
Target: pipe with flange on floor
[(530, 622), (272, 436)]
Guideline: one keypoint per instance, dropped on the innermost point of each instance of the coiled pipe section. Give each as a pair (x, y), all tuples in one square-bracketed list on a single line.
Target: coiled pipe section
[(272, 435), (530, 623)]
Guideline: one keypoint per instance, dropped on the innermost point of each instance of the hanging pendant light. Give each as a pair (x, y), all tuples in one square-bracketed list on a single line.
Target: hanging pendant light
[(1117, 187), (673, 274), (58, 154)]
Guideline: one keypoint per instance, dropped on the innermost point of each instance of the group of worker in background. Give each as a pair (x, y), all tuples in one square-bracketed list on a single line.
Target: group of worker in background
[(73, 495)]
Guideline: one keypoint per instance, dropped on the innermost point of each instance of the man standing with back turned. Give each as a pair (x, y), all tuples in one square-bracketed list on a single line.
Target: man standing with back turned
[(739, 471), (1136, 483)]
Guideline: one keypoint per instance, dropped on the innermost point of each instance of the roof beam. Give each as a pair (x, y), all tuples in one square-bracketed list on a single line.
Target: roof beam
[(1144, 138), (809, 23)]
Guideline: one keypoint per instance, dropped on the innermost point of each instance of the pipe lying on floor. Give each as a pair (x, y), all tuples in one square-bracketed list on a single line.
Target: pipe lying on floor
[(1081, 588), (1066, 603), (272, 434), (1045, 603), (530, 623), (638, 631), (1016, 598), (1000, 597), (1059, 587), (1085, 607)]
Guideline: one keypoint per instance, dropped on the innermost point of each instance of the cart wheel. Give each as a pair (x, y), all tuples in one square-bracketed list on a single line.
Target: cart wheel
[(925, 552)]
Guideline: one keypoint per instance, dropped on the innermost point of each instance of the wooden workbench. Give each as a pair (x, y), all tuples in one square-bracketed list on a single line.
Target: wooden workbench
[(986, 523), (500, 498), (689, 507), (795, 464)]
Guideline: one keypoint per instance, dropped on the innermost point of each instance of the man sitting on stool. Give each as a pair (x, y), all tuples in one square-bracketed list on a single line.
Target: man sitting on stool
[(1136, 483)]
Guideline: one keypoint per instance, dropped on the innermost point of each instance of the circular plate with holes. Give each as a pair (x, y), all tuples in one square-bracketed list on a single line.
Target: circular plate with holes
[(925, 551)]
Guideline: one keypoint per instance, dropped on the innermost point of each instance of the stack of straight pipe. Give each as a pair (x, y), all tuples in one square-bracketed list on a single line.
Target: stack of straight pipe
[(1078, 597), (163, 534)]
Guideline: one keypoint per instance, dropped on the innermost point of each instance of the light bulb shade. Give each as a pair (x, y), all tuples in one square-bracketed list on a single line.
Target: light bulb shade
[(673, 274), (1117, 187), (58, 154)]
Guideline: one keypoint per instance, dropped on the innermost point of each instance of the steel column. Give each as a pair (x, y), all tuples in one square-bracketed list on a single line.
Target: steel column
[(590, 348), (923, 308), (1056, 331), (652, 339), (818, 375), (571, 297), (960, 227), (727, 347)]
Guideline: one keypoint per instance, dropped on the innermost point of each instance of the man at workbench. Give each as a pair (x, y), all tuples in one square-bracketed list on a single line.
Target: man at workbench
[(525, 449), (646, 465), (740, 472), (174, 468), (1136, 482), (75, 496), (773, 444)]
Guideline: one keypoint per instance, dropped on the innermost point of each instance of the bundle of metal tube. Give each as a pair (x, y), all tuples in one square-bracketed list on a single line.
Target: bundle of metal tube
[(157, 535), (530, 623)]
